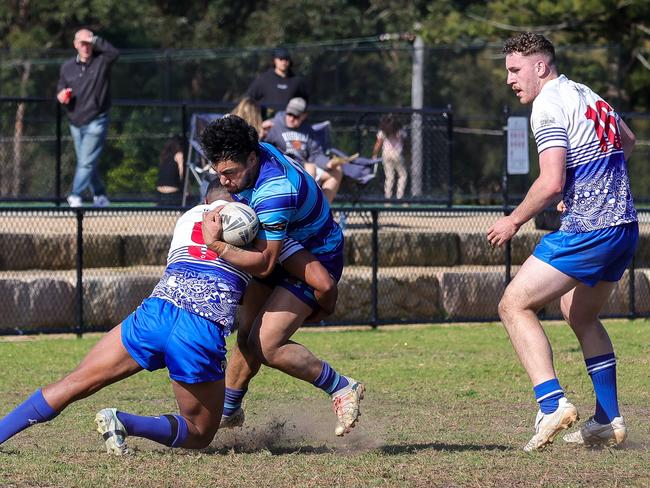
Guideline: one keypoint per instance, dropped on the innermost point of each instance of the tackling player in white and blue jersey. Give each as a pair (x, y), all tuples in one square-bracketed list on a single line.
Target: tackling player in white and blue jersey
[(288, 202), (583, 146)]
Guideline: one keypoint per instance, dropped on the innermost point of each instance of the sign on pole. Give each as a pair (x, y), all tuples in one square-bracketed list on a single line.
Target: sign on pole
[(518, 163)]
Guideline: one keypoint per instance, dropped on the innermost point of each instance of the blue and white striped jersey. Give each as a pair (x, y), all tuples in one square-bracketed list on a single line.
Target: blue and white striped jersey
[(289, 202), (597, 188)]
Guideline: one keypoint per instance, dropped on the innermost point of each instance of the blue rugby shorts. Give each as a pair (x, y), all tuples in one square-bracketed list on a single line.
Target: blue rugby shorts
[(590, 257), (159, 334)]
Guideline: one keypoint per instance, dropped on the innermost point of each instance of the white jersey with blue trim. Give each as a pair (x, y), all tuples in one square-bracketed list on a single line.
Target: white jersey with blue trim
[(196, 279), (597, 188)]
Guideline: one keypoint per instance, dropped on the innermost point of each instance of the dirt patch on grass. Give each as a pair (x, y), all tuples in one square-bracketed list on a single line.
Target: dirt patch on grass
[(299, 428)]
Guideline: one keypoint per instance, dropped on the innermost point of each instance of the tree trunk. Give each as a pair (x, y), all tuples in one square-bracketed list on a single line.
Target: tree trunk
[(19, 126)]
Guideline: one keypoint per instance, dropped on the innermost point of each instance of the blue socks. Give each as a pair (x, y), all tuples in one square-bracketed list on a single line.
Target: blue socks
[(329, 380), (232, 400), (170, 430), (32, 411), (548, 395), (602, 370)]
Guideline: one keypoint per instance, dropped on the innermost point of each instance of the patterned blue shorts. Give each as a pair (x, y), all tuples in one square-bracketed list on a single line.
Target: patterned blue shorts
[(159, 334)]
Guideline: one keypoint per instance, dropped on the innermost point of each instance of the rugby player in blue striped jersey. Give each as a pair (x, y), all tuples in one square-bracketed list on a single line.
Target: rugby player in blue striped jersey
[(289, 203)]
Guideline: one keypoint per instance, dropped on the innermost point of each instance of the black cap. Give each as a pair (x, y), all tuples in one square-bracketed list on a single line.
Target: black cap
[(281, 52)]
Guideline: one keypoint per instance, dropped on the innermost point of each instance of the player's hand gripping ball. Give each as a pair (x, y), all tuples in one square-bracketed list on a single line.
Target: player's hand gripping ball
[(240, 224)]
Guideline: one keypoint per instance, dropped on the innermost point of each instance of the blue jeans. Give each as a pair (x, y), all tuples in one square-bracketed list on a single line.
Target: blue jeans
[(88, 144)]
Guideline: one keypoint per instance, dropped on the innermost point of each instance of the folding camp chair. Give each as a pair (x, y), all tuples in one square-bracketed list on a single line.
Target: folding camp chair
[(197, 164), (361, 170)]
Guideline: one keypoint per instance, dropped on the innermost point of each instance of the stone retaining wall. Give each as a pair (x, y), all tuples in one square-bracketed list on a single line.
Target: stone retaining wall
[(396, 249), (430, 268), (36, 302), (32, 251)]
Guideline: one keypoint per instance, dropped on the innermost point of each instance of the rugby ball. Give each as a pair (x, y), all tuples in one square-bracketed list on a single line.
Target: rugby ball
[(240, 223)]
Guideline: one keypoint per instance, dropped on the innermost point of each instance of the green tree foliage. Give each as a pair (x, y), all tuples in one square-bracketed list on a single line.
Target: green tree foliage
[(212, 49)]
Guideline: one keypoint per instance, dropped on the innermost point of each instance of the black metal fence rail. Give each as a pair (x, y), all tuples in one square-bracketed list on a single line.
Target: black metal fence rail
[(79, 270), (37, 156), (452, 158)]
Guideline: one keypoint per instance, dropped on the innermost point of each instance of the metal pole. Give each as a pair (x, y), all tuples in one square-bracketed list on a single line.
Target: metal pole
[(167, 76), (186, 181), (450, 156), (374, 288), (417, 102), (57, 167), (80, 264), (504, 189), (504, 173)]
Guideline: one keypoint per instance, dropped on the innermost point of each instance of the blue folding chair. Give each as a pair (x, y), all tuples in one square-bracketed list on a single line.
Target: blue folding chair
[(360, 169)]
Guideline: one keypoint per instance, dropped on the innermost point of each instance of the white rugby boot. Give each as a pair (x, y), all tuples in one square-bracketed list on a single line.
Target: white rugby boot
[(346, 406), (592, 433), (548, 425), (112, 431)]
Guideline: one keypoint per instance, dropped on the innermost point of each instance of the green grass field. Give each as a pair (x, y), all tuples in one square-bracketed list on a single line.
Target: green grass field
[(445, 406)]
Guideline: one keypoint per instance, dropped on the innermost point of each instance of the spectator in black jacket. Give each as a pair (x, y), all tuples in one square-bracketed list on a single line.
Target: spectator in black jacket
[(84, 88), (275, 87)]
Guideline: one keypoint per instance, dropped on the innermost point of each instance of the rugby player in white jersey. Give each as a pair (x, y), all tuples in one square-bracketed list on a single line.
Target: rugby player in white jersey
[(583, 147), (181, 326)]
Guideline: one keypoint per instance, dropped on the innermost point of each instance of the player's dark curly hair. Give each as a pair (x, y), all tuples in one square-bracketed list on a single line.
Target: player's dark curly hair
[(229, 138), (530, 43)]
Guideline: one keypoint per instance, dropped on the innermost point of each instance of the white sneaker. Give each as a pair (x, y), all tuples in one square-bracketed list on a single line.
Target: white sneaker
[(547, 426), (113, 431), (593, 433), (101, 201), (236, 419), (74, 201), (346, 406)]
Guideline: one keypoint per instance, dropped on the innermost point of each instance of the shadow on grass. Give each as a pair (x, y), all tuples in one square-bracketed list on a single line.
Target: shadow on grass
[(441, 446), (274, 450), (390, 450)]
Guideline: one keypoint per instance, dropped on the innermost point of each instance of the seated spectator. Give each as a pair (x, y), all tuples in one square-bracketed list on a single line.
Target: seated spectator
[(170, 173), (250, 111), (293, 136), (276, 86), (390, 140)]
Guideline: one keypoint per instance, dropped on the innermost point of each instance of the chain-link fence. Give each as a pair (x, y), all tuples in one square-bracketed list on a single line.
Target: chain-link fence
[(368, 72), (449, 158), (85, 269), (37, 155), (361, 72)]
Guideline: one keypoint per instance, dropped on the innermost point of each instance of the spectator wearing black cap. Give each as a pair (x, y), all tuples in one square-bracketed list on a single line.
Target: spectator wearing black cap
[(274, 88)]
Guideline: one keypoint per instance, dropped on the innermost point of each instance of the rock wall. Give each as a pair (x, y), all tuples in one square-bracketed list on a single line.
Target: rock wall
[(31, 303), (424, 275)]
